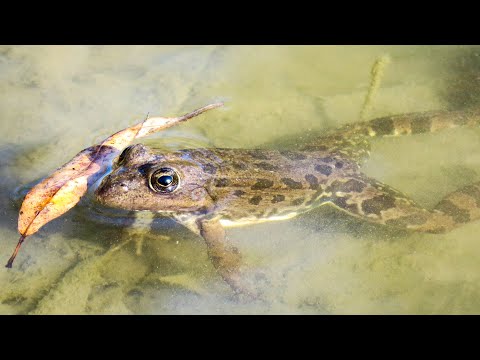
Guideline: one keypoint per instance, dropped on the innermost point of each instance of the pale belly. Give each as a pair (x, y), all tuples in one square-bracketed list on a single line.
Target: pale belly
[(250, 221)]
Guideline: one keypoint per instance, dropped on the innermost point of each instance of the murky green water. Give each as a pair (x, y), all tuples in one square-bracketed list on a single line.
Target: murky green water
[(58, 100)]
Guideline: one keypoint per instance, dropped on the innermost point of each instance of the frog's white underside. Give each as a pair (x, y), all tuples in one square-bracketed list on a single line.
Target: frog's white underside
[(249, 221)]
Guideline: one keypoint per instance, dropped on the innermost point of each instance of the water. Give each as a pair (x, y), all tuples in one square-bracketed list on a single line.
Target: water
[(58, 100)]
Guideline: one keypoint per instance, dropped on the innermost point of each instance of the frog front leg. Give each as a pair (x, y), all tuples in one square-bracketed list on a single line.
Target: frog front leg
[(366, 198), (225, 257)]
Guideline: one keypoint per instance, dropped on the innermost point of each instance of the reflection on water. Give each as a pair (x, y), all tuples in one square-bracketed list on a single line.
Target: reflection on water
[(58, 100)]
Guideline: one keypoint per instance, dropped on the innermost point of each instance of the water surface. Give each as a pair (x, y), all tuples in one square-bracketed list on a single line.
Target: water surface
[(58, 100)]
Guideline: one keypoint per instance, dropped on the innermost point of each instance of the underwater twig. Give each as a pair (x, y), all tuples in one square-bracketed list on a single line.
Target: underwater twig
[(377, 72)]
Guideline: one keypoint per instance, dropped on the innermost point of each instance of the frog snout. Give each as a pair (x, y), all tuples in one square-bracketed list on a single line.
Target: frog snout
[(102, 190), (109, 189)]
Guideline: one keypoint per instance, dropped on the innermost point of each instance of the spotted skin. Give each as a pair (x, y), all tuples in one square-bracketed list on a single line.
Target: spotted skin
[(323, 169), (278, 198), (255, 200), (312, 181), (262, 184), (227, 187)]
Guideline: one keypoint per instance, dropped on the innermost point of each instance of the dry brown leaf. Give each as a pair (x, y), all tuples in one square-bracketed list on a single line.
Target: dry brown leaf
[(62, 190)]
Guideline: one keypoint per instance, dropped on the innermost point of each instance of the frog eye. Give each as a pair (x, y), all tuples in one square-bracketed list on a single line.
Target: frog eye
[(123, 155), (164, 180)]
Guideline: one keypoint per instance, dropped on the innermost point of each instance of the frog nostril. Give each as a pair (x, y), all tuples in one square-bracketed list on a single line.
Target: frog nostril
[(124, 186)]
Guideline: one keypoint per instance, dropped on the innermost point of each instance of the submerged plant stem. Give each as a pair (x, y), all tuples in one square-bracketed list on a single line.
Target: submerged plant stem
[(376, 79)]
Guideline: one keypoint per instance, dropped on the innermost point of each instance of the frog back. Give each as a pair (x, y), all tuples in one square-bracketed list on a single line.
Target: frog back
[(255, 185)]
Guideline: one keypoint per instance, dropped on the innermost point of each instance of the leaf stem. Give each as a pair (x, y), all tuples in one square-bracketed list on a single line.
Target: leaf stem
[(15, 252)]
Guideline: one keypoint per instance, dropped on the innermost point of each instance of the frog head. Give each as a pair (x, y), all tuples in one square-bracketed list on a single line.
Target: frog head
[(143, 180)]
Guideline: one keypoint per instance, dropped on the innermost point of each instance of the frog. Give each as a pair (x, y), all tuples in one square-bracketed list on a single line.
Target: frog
[(208, 190)]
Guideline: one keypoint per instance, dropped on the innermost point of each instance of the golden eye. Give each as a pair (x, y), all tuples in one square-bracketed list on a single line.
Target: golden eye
[(164, 180), (123, 155)]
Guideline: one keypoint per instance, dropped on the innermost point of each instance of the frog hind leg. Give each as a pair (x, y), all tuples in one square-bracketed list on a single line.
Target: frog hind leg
[(379, 203), (353, 145), (417, 123), (463, 205), (353, 140)]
